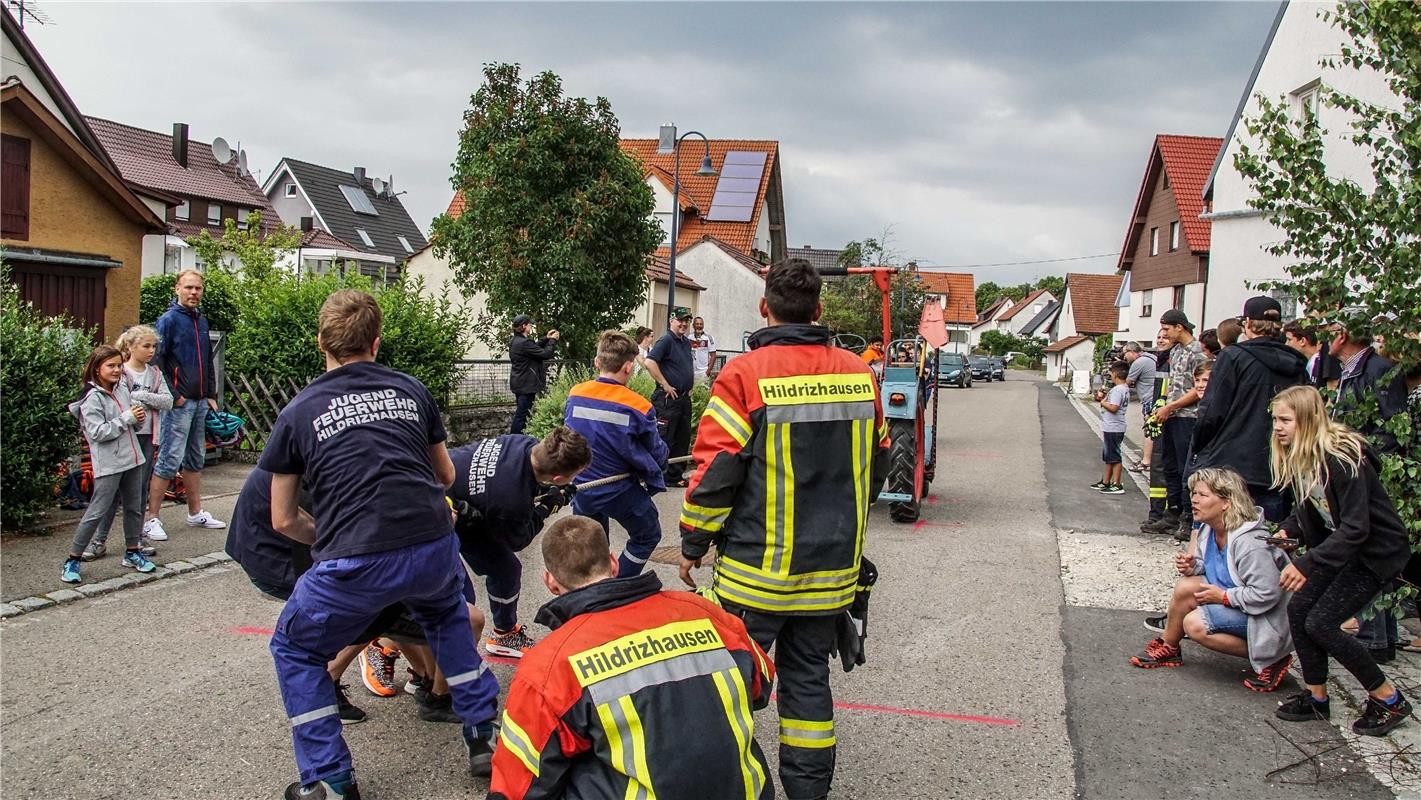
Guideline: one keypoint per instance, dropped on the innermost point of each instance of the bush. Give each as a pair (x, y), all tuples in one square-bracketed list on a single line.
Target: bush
[(549, 407), (424, 336), (222, 299), (39, 376)]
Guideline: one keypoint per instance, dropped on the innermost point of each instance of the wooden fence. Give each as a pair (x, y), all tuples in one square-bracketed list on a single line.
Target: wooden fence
[(259, 399)]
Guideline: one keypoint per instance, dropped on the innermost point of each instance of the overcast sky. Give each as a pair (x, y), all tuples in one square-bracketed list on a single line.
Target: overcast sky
[(982, 132)]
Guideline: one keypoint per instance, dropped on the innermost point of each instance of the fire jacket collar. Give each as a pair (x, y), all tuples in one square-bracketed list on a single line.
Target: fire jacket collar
[(789, 334), (599, 596)]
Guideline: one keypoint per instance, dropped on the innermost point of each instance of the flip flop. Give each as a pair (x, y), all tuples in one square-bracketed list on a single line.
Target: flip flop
[(1410, 647)]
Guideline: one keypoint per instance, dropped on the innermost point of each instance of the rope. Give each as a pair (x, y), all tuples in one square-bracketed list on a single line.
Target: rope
[(624, 475)]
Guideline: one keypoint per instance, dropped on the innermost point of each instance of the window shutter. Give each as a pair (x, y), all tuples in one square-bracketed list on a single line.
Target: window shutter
[(14, 187)]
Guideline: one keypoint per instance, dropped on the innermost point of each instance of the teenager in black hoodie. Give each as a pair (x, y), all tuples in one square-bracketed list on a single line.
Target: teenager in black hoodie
[(1234, 425), (1356, 545)]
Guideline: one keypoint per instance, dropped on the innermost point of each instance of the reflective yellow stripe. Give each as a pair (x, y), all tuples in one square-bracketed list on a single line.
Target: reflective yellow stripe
[(638, 748), (734, 424), (737, 712), (516, 741), (812, 734), (744, 573), (772, 496), (703, 517), (614, 741), (780, 602), (1158, 492), (787, 536)]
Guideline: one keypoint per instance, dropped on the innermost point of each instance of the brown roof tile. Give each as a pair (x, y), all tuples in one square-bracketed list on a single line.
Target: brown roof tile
[(961, 291), (1093, 301), (660, 270), (1065, 344), (1187, 162)]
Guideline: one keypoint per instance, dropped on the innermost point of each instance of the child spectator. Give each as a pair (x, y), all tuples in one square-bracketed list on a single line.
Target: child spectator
[(109, 417), (1112, 426), (1201, 377), (645, 337), (146, 386), (1209, 340), (1229, 332)]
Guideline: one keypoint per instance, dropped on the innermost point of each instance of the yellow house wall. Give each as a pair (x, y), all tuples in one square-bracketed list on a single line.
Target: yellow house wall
[(68, 213)]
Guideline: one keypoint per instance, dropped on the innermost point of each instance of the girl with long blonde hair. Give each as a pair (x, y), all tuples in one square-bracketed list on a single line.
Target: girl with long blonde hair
[(1356, 546)]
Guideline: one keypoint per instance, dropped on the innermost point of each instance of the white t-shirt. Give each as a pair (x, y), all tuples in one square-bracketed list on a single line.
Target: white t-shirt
[(701, 347)]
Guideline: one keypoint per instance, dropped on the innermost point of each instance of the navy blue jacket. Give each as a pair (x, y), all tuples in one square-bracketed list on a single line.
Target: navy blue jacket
[(495, 476), (1391, 396), (620, 426), (184, 356)]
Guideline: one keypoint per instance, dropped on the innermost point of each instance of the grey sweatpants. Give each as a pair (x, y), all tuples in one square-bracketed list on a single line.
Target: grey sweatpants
[(125, 487), (145, 445)]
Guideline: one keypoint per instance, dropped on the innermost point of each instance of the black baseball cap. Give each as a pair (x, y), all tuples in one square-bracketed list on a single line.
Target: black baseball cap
[(1263, 308), (681, 312), (1175, 317), (521, 320)]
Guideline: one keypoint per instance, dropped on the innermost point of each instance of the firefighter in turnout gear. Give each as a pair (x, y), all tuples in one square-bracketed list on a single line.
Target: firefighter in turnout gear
[(598, 709), (785, 458)]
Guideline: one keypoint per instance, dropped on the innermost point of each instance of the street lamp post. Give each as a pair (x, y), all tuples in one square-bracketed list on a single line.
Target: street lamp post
[(670, 143)]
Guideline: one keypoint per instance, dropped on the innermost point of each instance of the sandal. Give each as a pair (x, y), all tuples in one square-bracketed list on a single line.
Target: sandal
[(1413, 646)]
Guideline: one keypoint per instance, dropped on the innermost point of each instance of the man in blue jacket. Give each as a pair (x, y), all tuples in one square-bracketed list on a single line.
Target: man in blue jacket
[(184, 359), (621, 427)]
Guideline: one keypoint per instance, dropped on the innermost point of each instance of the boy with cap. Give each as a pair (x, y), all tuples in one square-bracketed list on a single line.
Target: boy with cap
[(671, 365), (528, 372), (370, 445), (1179, 412), (620, 426)]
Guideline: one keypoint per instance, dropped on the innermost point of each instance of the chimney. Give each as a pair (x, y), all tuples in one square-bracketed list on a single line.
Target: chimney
[(307, 224), (180, 143), (360, 176)]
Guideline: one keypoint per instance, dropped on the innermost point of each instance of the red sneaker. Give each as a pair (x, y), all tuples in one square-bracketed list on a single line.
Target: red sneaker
[(1271, 677), (1158, 653)]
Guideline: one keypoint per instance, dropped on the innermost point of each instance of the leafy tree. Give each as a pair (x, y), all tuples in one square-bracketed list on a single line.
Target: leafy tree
[(987, 294), (999, 343), (854, 305), (1055, 284), (256, 253), (557, 219), (1351, 245), (222, 302)]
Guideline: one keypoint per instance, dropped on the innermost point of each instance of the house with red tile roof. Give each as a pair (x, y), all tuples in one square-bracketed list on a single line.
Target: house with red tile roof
[(71, 229), (1165, 256), (1014, 318), (184, 177), (1088, 311), (956, 292)]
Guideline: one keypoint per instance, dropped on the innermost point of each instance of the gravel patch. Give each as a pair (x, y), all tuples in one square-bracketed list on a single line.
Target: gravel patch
[(1116, 570)]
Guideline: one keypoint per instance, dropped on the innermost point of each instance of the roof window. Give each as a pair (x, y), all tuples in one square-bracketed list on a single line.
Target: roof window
[(365, 237), (359, 202)]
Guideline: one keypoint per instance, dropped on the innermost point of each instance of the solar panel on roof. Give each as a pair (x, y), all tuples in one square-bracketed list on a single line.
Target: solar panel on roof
[(359, 203), (738, 187)]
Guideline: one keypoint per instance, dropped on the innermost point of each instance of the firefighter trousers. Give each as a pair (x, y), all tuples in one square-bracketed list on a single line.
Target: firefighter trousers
[(802, 647), (493, 560), (633, 510), (334, 601)]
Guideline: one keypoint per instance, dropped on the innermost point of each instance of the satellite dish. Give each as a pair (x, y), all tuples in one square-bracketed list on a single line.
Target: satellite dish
[(242, 162), (221, 151), (378, 185)]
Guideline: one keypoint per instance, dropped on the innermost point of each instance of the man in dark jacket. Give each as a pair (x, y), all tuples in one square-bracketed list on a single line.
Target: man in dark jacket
[(1364, 373), (529, 374), (673, 368), (184, 359), (1234, 424)]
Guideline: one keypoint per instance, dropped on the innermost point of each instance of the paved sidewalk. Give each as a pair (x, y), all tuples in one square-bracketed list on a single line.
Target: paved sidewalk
[(29, 564)]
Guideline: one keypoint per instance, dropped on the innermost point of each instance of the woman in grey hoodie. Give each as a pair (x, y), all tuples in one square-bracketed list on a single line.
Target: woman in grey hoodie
[(1229, 598), (108, 417)]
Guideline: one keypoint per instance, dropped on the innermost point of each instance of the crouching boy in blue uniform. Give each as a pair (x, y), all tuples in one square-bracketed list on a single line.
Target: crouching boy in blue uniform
[(621, 427), (505, 488), (370, 444)]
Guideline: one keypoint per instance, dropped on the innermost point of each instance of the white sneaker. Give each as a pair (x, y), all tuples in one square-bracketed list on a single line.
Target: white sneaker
[(153, 529), (202, 519)]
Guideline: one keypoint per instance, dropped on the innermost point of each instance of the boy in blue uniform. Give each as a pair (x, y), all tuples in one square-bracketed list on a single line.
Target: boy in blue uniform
[(370, 445), (499, 491), (621, 427)]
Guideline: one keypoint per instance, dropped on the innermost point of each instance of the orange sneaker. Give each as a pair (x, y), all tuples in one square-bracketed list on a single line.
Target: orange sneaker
[(510, 644), (377, 670)]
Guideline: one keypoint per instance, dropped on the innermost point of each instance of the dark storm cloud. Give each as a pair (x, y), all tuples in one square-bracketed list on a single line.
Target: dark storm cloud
[(981, 132)]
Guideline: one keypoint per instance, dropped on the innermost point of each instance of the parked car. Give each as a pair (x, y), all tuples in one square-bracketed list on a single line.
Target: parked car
[(981, 368), (953, 370), (999, 368)]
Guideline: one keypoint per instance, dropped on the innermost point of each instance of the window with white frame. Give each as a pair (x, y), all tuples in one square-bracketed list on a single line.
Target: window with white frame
[(1174, 236), (290, 190), (1147, 303), (1307, 99), (365, 237), (242, 214), (182, 211), (405, 243), (1178, 298), (214, 213), (1154, 241)]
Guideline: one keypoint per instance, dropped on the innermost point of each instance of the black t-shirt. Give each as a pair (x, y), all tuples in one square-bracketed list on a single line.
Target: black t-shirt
[(672, 354), (264, 554), (495, 476), (360, 434)]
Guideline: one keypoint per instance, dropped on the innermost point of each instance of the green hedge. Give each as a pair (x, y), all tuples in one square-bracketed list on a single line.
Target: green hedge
[(39, 376), (548, 408)]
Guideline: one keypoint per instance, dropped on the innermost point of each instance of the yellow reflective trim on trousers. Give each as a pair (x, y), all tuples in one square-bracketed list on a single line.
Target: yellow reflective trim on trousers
[(782, 602), (704, 517), (638, 747), (725, 416), (737, 712), (516, 741), (1158, 493), (809, 734), (787, 536), (772, 496), (741, 572)]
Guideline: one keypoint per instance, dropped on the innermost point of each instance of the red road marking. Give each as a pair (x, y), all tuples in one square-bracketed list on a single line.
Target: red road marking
[(922, 523), (493, 659), (250, 631), (913, 712)]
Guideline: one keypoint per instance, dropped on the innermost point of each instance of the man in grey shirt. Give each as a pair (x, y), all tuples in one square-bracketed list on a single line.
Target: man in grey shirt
[(1142, 375)]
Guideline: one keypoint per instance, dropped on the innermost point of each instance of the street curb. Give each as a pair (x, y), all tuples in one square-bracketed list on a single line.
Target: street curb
[(59, 597)]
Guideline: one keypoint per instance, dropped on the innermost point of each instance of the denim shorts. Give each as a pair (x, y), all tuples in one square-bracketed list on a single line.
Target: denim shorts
[(1223, 619), (1110, 454), (182, 439)]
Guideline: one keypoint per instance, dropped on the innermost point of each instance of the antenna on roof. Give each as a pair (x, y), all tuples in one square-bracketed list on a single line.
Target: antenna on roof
[(378, 185), (26, 8), (221, 151)]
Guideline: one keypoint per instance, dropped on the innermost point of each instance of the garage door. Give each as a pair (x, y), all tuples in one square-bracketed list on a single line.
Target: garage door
[(57, 289)]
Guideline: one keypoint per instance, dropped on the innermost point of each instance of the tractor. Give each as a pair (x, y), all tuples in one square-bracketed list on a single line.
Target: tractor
[(909, 393)]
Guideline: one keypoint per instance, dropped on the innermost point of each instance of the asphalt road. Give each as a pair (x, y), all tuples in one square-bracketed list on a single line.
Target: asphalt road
[(975, 669)]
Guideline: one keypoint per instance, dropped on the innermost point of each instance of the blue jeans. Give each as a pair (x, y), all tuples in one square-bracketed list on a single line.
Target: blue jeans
[(633, 509), (182, 439), (337, 599), (1224, 619), (523, 406)]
